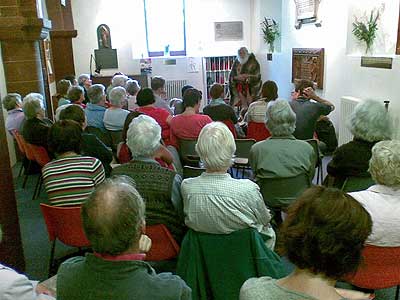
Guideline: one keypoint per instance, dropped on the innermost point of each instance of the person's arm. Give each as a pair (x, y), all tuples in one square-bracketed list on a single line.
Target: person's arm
[(261, 211), (15, 286), (310, 93), (176, 197), (99, 150), (164, 154), (98, 172)]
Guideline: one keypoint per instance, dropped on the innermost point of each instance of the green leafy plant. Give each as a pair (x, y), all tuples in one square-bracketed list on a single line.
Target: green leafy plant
[(270, 31), (365, 31)]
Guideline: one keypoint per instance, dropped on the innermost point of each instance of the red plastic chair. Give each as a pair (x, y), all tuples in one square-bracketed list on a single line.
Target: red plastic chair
[(379, 270), (163, 245), (64, 224), (18, 138), (257, 131), (231, 127)]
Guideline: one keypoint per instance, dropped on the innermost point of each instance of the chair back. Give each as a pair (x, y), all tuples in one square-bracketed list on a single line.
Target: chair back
[(243, 147), (257, 131), (163, 245), (355, 184), (215, 266), (314, 144), (102, 135), (380, 268), (281, 192), (20, 141), (116, 138), (39, 153), (189, 171), (187, 152), (231, 127), (65, 224)]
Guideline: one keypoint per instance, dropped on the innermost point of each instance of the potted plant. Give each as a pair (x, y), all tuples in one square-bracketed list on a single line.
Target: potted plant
[(270, 31), (365, 31)]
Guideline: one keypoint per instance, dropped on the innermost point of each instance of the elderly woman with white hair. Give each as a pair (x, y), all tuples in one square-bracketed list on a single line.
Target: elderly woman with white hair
[(36, 125), (132, 89), (215, 202), (382, 200), (369, 124), (114, 117), (160, 187)]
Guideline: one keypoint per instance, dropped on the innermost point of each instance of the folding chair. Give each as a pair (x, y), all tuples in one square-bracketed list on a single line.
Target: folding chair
[(41, 156), (187, 152), (64, 224), (21, 148), (242, 155), (318, 161)]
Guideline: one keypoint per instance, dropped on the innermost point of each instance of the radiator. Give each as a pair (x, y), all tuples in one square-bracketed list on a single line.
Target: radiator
[(347, 105), (174, 88)]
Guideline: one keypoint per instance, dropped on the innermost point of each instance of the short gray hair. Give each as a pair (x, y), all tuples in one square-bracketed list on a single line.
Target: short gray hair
[(117, 96), (33, 103), (11, 100), (384, 165), (82, 78), (216, 146), (143, 137), (370, 122), (280, 118), (132, 87), (113, 215), (119, 80), (96, 93)]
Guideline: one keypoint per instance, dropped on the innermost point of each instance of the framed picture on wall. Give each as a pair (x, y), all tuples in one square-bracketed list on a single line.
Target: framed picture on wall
[(308, 63)]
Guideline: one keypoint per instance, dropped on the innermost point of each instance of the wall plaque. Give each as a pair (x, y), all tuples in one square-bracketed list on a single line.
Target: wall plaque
[(105, 56), (308, 63), (228, 31), (307, 12), (376, 62)]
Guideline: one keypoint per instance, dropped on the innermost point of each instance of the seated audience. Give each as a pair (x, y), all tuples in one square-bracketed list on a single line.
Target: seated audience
[(215, 202), (162, 156), (36, 126), (70, 177), (218, 110), (188, 124), (132, 88), (114, 222), (176, 104), (146, 101), (323, 236), (85, 82), (91, 145), (15, 286), (158, 87), (96, 108), (72, 79), (76, 95), (15, 115), (369, 123), (282, 155), (114, 117), (382, 200), (257, 109), (62, 89), (160, 187), (308, 107), (118, 79)]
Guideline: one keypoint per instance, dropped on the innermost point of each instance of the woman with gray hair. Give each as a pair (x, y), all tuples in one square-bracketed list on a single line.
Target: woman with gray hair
[(114, 117), (132, 89), (369, 124), (160, 187), (382, 200), (215, 202), (15, 115), (281, 155), (36, 126)]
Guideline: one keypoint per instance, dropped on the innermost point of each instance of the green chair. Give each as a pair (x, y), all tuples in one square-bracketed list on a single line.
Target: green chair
[(318, 160), (215, 266), (355, 184), (189, 171), (187, 152), (242, 155)]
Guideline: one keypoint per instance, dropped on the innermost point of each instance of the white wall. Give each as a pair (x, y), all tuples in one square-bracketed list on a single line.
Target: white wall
[(343, 74)]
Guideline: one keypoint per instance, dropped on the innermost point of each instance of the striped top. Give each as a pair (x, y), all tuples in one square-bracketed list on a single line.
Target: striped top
[(70, 180)]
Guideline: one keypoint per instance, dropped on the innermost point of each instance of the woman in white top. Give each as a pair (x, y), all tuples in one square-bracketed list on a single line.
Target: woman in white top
[(114, 117), (382, 200)]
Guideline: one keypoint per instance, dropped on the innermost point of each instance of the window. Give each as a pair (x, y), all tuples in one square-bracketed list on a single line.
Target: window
[(165, 27)]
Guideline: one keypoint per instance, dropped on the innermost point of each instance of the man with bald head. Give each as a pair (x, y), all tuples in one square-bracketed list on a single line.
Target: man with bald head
[(114, 222)]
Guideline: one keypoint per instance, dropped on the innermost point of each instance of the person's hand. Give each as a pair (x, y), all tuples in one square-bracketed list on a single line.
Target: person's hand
[(144, 244), (41, 289), (309, 93), (354, 295)]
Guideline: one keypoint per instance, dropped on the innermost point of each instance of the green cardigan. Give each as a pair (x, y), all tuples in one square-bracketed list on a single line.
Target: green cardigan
[(216, 266)]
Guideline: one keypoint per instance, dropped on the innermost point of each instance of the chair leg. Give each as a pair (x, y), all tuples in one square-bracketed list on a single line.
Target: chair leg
[(397, 292), (25, 180), (40, 186), (36, 187), (28, 168), (20, 170), (53, 247)]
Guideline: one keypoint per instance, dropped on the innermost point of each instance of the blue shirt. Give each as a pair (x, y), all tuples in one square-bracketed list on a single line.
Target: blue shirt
[(95, 115)]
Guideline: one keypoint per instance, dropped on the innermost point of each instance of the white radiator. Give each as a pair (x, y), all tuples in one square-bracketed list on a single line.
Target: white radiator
[(174, 88), (347, 105)]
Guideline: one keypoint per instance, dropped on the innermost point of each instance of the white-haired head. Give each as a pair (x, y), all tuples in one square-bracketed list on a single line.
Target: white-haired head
[(132, 87), (96, 93), (33, 105), (370, 122), (384, 165), (216, 147), (243, 55), (143, 137), (280, 118), (117, 96), (119, 80)]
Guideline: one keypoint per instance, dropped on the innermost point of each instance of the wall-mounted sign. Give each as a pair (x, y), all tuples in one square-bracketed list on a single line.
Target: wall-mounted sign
[(307, 12), (228, 31), (376, 62), (308, 63)]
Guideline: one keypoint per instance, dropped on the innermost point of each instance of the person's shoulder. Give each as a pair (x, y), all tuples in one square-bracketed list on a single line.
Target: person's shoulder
[(170, 286), (255, 288), (14, 285)]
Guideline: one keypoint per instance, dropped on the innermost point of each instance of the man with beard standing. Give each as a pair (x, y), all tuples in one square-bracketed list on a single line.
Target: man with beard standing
[(244, 79)]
